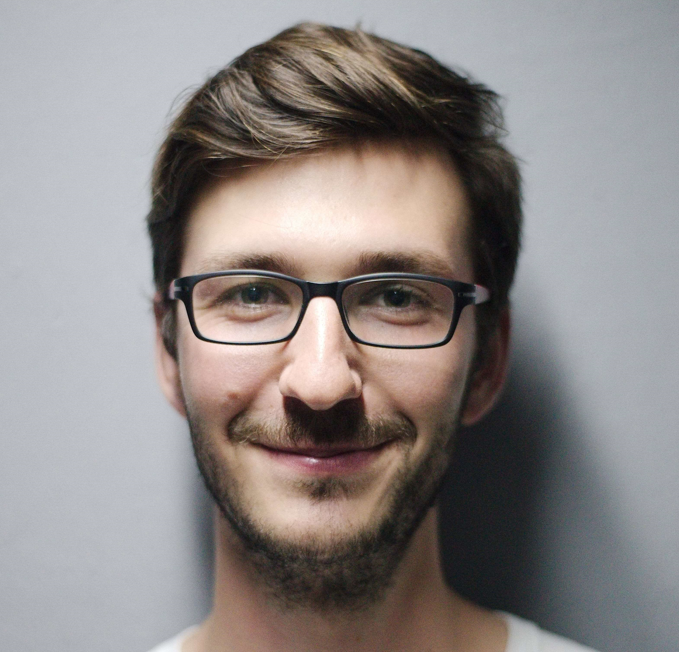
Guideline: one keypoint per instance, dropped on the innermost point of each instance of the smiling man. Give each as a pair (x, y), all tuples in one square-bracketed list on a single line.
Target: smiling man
[(340, 220)]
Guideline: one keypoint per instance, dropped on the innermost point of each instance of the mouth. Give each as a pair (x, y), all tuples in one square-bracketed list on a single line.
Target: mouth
[(326, 460)]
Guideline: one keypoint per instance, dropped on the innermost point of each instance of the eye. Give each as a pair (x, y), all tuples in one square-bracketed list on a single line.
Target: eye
[(392, 297), (254, 294), (396, 298)]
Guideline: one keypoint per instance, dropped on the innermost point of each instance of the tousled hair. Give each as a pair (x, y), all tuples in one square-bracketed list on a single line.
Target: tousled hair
[(315, 87)]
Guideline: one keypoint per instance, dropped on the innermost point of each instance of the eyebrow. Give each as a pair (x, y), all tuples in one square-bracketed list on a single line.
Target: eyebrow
[(410, 263), (367, 263), (265, 262)]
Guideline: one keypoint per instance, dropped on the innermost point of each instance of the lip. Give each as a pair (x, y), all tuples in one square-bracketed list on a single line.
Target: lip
[(325, 460)]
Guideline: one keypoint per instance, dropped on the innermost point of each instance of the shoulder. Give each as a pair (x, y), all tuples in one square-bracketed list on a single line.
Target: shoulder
[(175, 643), (525, 636)]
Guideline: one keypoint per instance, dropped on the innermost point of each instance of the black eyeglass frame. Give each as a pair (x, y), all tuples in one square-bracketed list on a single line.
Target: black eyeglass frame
[(465, 294)]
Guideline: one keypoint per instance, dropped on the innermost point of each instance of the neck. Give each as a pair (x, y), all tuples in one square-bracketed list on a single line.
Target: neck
[(418, 610)]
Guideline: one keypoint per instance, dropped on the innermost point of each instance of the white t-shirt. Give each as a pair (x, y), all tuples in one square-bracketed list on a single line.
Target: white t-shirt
[(524, 636)]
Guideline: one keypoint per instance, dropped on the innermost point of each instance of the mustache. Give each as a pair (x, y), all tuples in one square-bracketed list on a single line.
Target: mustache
[(343, 424)]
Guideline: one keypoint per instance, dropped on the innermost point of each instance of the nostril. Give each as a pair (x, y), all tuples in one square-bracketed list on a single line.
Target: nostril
[(320, 387)]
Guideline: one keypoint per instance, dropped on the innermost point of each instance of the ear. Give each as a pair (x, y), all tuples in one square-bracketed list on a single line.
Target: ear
[(488, 379), (167, 367)]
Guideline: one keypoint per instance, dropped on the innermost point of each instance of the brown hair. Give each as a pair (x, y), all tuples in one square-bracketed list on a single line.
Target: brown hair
[(314, 87)]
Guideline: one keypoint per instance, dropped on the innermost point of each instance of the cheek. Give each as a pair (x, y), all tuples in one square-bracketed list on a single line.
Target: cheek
[(219, 381), (427, 385)]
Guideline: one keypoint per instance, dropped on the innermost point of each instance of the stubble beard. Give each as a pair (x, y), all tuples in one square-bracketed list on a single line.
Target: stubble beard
[(348, 573)]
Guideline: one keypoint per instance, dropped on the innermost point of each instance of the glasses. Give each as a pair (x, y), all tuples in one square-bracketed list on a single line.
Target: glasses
[(398, 311)]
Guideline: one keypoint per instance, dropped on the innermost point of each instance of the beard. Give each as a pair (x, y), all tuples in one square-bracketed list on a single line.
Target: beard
[(348, 572)]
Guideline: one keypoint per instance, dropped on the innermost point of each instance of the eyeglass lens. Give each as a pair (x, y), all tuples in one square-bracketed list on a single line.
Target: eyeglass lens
[(399, 312), (249, 308)]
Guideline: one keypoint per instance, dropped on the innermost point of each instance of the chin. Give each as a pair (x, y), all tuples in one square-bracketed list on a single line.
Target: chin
[(328, 521)]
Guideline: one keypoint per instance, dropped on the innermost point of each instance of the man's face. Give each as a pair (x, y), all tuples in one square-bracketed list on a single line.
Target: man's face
[(325, 217)]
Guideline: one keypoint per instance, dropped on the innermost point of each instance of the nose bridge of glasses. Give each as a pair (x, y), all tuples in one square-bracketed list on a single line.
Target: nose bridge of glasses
[(329, 290), (322, 289)]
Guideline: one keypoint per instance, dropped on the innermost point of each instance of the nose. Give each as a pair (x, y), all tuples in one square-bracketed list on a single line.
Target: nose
[(318, 369)]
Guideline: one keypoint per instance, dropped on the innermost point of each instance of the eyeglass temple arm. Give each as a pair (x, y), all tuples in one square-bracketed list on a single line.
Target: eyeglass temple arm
[(482, 294), (176, 290)]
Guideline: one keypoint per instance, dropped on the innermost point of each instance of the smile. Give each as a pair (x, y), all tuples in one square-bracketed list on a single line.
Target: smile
[(326, 460)]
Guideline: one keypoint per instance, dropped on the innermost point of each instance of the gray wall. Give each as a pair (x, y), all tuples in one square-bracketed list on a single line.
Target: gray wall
[(564, 506)]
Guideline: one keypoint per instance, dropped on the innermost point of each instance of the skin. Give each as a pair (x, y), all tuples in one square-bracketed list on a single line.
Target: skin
[(319, 214)]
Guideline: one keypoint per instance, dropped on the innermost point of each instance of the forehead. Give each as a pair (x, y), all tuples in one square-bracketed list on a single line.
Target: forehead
[(334, 214)]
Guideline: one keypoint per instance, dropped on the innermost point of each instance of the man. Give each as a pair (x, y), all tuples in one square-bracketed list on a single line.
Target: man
[(341, 221)]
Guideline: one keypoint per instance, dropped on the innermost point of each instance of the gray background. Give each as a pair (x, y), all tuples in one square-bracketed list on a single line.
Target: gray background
[(563, 507)]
